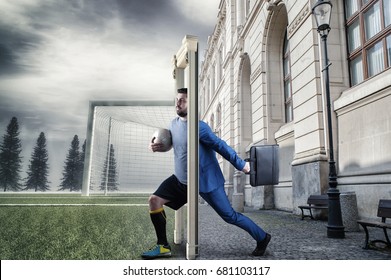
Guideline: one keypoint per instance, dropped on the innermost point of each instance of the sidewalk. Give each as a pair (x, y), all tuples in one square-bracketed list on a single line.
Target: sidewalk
[(292, 239)]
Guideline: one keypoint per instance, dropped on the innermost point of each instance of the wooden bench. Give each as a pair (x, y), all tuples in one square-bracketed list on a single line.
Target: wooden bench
[(314, 201), (383, 212)]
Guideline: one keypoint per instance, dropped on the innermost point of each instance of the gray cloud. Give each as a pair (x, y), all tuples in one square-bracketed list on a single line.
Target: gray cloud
[(55, 56)]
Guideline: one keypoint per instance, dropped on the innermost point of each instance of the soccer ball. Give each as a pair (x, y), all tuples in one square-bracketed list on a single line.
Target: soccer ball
[(163, 136)]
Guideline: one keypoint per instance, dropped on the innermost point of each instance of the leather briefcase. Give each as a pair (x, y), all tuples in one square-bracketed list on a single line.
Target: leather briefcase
[(264, 166)]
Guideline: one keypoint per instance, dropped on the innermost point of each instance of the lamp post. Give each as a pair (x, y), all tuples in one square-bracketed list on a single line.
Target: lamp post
[(335, 229)]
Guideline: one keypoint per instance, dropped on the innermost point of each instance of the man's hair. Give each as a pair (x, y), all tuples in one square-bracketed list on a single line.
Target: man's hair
[(182, 90)]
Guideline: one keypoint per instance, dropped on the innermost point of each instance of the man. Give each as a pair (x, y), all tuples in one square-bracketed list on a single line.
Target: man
[(173, 191)]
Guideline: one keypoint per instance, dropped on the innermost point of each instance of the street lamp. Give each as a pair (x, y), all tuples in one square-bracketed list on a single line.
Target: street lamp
[(335, 228)]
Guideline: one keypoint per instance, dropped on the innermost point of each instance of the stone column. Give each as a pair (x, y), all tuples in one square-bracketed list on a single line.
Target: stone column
[(237, 196)]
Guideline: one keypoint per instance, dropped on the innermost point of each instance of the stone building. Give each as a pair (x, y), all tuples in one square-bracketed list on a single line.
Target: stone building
[(261, 82)]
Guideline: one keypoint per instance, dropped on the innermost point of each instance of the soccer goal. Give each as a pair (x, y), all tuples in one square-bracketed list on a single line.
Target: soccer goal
[(118, 134), (117, 154)]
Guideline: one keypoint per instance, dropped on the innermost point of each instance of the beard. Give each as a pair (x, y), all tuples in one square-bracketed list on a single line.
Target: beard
[(181, 113)]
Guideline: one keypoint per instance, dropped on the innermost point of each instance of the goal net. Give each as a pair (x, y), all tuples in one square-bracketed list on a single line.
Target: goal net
[(117, 154)]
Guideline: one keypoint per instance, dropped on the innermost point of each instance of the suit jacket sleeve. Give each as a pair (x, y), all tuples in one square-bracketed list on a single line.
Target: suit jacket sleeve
[(209, 139)]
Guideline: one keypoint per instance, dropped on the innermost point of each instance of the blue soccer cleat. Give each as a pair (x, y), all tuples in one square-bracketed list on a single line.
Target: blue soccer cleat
[(159, 251)]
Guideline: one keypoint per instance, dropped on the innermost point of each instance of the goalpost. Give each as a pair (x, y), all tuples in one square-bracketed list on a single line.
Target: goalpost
[(186, 75), (117, 155), (118, 135)]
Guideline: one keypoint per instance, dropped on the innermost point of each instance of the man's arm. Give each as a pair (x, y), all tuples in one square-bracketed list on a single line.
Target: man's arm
[(208, 138)]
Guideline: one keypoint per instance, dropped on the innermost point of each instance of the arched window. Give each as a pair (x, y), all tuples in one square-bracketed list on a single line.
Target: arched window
[(278, 68)]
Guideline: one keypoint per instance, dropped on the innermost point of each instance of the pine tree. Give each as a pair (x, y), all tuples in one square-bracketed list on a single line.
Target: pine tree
[(71, 175), (38, 170), (10, 159), (111, 176)]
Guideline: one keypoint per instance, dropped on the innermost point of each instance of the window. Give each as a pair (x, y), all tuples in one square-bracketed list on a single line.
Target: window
[(389, 49), (368, 25), (287, 81), (212, 122), (372, 21), (213, 80), (208, 93), (247, 8), (218, 114), (387, 12), (375, 59), (220, 65), (350, 8), (356, 71), (354, 36), (218, 120)]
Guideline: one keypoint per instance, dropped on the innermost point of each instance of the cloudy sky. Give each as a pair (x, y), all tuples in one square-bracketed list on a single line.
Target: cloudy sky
[(56, 55)]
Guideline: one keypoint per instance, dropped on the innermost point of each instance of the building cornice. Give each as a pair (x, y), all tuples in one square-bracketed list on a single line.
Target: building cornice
[(212, 41)]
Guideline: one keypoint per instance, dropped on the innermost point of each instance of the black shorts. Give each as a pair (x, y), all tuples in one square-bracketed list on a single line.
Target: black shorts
[(174, 191)]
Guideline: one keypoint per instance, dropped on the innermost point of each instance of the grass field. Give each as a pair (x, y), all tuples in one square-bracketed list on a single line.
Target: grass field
[(72, 227)]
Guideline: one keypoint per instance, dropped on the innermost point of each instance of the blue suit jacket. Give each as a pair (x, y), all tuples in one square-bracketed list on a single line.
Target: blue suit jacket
[(210, 175)]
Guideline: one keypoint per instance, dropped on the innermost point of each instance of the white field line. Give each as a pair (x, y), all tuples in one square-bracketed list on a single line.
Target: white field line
[(72, 204)]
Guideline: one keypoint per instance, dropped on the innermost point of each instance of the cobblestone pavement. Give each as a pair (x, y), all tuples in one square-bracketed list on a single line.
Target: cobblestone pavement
[(292, 239)]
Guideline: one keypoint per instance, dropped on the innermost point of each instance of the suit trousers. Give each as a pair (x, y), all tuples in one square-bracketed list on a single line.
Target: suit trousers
[(218, 200)]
